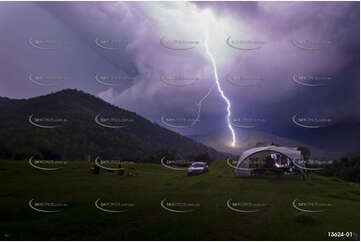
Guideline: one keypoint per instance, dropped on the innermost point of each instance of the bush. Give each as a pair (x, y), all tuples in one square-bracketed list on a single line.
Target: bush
[(346, 169)]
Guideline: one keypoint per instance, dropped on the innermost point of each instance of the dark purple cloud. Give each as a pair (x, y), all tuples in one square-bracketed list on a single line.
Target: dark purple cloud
[(131, 45)]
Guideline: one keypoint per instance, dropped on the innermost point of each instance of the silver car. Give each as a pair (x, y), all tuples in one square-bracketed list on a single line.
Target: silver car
[(198, 168)]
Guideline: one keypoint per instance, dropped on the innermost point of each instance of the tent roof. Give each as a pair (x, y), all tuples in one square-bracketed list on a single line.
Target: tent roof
[(290, 152)]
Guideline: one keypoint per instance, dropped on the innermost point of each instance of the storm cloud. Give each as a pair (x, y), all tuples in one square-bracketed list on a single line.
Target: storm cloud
[(275, 59)]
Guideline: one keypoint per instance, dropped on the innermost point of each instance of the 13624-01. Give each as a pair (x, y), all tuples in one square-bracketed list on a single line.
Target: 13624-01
[(340, 234)]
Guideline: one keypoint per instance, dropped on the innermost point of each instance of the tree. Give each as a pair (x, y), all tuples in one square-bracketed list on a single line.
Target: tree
[(170, 155), (204, 157), (305, 151)]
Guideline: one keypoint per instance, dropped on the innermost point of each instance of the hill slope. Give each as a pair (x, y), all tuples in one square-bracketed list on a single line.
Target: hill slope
[(63, 125)]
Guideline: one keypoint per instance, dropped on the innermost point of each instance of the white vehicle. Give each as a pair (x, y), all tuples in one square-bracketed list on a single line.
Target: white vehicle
[(198, 168)]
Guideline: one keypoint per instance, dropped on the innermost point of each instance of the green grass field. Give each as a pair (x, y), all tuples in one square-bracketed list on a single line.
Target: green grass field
[(276, 219)]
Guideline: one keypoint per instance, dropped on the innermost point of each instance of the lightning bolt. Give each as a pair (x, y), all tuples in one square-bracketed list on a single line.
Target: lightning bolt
[(214, 64), (199, 105)]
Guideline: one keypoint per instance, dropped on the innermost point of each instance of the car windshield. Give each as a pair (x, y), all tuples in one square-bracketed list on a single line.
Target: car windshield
[(198, 165)]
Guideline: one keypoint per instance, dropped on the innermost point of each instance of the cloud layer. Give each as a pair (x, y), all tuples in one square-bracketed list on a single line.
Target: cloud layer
[(274, 59)]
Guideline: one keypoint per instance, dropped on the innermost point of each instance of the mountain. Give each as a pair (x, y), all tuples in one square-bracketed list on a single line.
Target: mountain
[(249, 138), (73, 125)]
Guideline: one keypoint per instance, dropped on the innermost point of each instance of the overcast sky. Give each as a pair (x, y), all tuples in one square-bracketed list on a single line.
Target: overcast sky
[(274, 59)]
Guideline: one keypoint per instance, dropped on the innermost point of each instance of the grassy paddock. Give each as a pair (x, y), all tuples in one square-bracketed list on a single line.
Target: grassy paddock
[(275, 218)]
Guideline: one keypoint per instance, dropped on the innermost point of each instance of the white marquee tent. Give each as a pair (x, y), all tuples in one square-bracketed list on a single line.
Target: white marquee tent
[(242, 167)]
